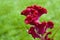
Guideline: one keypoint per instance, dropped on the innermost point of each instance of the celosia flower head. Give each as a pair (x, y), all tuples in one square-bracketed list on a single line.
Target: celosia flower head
[(38, 29), (34, 10)]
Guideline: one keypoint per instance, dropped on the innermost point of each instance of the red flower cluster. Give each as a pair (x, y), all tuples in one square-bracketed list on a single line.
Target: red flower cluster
[(38, 29)]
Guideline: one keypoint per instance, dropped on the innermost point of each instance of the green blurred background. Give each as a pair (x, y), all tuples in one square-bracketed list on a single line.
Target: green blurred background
[(12, 26)]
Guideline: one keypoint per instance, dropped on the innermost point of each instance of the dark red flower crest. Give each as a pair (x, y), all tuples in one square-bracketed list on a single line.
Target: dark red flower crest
[(34, 10), (32, 14)]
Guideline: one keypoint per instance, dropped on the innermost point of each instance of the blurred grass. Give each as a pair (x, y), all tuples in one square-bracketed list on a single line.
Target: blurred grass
[(12, 26)]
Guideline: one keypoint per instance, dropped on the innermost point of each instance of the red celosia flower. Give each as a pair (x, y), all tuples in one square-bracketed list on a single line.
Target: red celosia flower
[(33, 10), (38, 30)]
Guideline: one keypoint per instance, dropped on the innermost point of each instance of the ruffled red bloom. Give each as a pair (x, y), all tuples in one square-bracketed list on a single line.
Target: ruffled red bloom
[(34, 10), (32, 14)]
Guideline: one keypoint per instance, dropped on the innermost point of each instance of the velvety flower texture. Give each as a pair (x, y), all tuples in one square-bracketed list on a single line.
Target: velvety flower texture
[(38, 29)]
